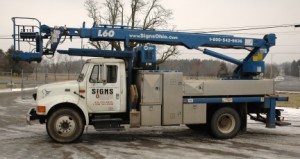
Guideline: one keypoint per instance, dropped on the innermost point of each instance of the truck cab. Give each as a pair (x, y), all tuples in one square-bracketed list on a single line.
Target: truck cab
[(103, 84), (67, 106)]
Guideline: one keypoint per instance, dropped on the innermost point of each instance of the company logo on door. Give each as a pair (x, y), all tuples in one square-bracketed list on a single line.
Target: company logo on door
[(104, 97)]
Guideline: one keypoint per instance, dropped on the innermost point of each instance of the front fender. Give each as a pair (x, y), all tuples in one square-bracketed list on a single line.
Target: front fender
[(59, 101)]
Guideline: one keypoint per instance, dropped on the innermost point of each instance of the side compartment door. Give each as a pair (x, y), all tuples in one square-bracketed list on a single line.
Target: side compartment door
[(103, 88)]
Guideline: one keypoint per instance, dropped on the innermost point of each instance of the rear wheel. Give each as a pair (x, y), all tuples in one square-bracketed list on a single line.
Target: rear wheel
[(225, 123), (65, 125)]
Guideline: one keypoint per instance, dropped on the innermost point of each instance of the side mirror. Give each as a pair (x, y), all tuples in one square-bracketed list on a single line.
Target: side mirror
[(80, 77)]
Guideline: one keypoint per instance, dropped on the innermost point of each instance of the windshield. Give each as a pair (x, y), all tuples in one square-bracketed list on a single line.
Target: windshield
[(83, 73)]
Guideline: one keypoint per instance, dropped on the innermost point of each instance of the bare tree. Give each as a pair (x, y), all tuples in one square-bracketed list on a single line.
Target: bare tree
[(156, 16), (223, 70), (92, 7), (164, 55), (145, 14), (54, 64), (68, 62), (3, 61), (271, 70)]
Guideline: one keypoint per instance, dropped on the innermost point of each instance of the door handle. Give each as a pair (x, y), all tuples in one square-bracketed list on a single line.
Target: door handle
[(117, 96)]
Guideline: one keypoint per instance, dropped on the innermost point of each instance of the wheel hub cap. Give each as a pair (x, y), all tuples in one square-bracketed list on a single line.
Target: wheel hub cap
[(65, 125), (226, 123)]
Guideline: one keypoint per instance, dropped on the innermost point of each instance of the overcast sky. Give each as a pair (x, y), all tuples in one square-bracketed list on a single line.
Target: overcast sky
[(188, 14)]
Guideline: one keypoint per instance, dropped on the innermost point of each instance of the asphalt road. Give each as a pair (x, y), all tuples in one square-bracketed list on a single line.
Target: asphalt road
[(21, 141)]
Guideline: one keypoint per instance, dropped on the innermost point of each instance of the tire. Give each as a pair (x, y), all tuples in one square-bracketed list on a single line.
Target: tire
[(197, 127), (225, 123), (65, 125)]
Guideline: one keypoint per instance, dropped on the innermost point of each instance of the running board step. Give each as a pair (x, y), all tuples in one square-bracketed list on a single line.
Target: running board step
[(110, 124)]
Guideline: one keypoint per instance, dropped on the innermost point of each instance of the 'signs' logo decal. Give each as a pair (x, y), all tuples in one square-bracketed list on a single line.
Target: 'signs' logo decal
[(103, 94), (102, 91)]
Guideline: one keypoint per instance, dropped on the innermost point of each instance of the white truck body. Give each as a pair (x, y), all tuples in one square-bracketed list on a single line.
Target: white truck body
[(99, 96), (112, 92)]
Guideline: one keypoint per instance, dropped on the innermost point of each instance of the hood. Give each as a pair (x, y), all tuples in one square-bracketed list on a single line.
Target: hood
[(57, 88)]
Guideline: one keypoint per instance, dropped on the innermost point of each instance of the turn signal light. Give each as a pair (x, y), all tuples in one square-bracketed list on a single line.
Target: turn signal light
[(41, 109)]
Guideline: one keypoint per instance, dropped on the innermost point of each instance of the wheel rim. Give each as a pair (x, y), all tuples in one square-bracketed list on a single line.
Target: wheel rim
[(226, 123), (65, 125)]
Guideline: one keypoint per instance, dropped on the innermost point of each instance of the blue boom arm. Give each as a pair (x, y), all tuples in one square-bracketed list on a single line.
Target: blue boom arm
[(189, 40), (252, 65)]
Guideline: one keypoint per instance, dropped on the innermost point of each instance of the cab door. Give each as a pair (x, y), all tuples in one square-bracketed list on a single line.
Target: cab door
[(103, 88)]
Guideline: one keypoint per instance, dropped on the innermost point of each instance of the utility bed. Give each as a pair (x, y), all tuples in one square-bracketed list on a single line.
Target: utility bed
[(227, 87)]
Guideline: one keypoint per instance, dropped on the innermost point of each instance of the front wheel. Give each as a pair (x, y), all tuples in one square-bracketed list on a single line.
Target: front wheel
[(225, 123), (65, 125)]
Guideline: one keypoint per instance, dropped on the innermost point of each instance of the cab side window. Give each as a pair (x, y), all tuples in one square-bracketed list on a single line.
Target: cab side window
[(112, 73)]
